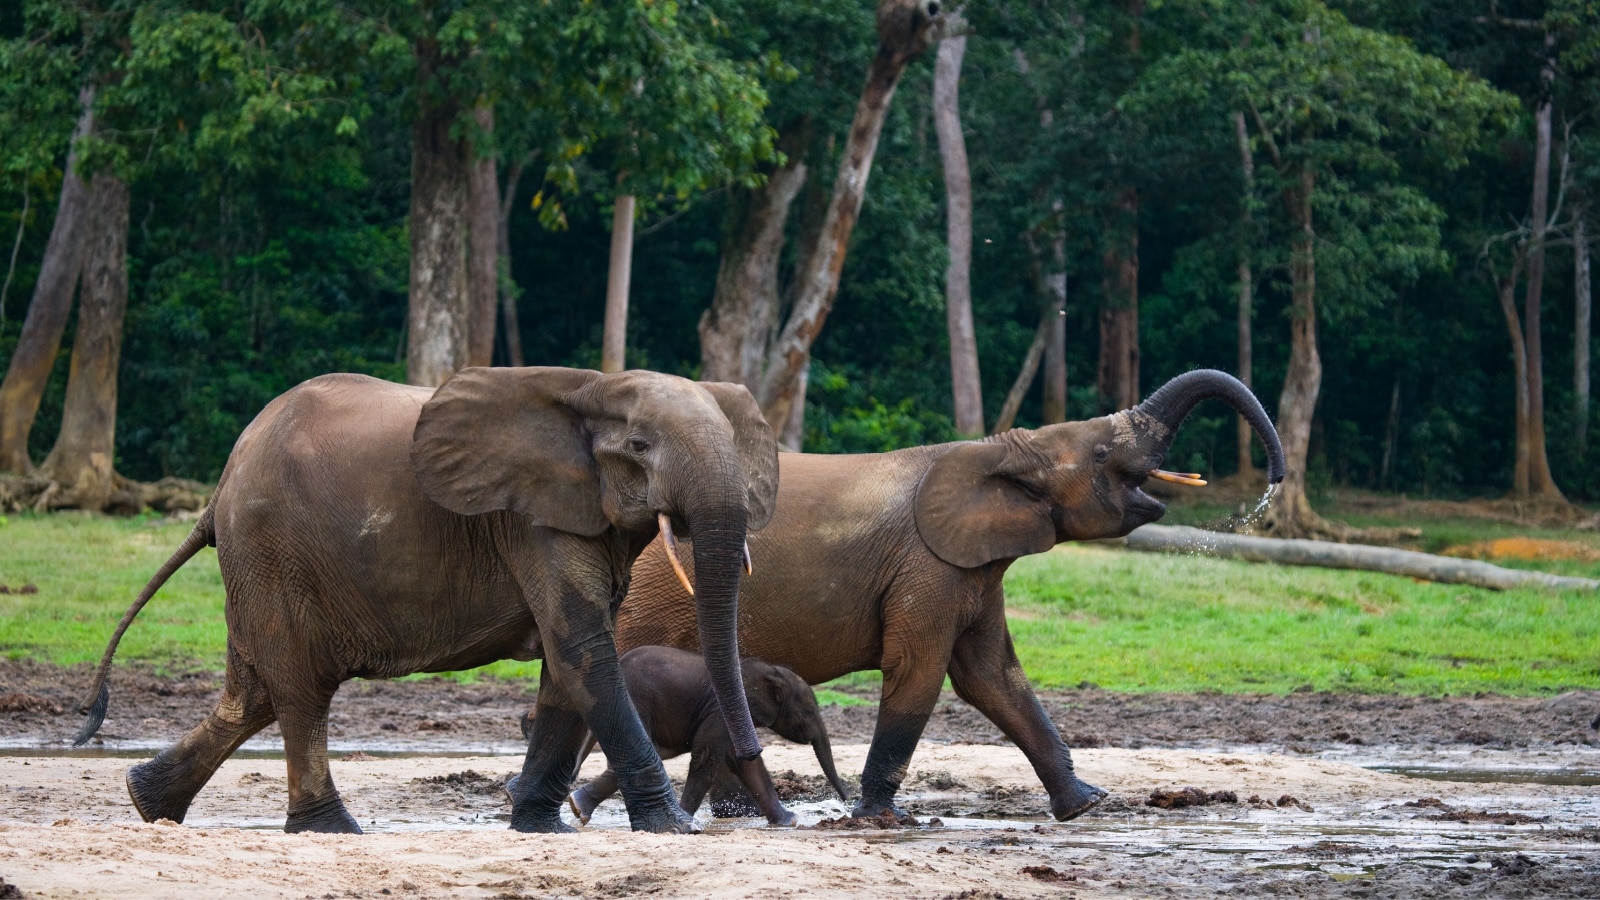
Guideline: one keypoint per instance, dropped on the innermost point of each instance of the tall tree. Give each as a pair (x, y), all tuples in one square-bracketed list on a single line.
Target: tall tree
[(1119, 311), (966, 386), (1582, 328), (1243, 436), (613, 346), (483, 266)]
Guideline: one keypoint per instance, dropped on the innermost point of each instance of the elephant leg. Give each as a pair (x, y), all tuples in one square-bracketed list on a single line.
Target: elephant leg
[(985, 672), (556, 732), (592, 794), (164, 787), (314, 803), (914, 664), (752, 773)]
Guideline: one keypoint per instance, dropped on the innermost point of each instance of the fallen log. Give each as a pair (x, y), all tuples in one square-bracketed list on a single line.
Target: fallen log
[(1329, 555)]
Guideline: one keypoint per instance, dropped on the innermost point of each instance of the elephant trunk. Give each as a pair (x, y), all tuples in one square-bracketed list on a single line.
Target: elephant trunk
[(1173, 401), (824, 752), (718, 560)]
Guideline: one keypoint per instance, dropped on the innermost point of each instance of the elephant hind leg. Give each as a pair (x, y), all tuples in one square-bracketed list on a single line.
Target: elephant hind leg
[(314, 803), (164, 787)]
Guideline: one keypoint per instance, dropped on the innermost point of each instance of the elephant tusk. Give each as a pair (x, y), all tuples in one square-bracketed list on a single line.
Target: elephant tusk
[(749, 567), (1192, 479), (671, 543)]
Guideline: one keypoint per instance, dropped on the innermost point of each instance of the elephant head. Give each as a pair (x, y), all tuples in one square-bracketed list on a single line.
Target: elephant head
[(1022, 492), (782, 701), (583, 452)]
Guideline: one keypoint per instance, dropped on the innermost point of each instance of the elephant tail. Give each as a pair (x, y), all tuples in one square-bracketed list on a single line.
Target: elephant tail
[(95, 702)]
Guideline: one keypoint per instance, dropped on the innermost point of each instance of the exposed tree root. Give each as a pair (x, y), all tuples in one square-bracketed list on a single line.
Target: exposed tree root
[(20, 493)]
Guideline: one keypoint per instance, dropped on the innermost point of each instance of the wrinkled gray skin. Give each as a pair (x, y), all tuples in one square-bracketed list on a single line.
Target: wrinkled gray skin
[(370, 530), (671, 689), (895, 562)]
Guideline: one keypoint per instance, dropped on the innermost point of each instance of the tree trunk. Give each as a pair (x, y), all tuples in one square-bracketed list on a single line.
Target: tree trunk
[(736, 329), (966, 386), (1243, 435), (483, 267), (614, 340), (1506, 293), (793, 433), (1054, 403), (1119, 316), (1540, 481), (1391, 433), (1290, 515), (508, 289), (81, 463), (37, 346), (1581, 327), (438, 324), (1049, 321), (903, 30)]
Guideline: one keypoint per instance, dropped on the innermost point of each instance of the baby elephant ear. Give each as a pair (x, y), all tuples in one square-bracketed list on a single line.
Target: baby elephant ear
[(757, 447), (969, 512), (493, 439)]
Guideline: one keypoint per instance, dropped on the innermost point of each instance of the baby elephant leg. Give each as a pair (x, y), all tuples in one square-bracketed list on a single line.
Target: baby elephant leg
[(592, 794)]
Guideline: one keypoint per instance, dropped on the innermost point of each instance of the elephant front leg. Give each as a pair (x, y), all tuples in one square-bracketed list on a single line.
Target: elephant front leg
[(555, 731), (985, 672), (913, 673)]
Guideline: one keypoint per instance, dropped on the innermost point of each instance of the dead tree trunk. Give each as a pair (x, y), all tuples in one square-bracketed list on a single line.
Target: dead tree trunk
[(1581, 326), (511, 323), (736, 329), (903, 32), (483, 267), (1540, 481), (438, 323), (81, 463), (966, 386), (1049, 322), (614, 339), (1244, 436), (40, 341)]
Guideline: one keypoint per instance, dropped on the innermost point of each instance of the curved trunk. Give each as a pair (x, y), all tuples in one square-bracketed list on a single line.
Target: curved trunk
[(718, 561), (824, 752), (1173, 401)]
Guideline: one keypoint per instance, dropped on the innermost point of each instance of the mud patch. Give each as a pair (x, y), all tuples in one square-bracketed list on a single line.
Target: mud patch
[(1524, 548), (884, 821), (16, 702), (1049, 874), (1444, 812), (468, 782), (1190, 796)]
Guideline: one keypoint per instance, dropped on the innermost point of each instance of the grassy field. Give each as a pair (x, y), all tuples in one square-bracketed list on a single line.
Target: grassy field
[(1121, 620)]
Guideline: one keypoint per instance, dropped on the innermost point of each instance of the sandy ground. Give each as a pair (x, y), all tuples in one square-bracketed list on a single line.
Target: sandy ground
[(67, 829)]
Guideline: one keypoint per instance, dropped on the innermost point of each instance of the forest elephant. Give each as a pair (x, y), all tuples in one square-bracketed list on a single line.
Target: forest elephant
[(671, 689), (893, 561), (370, 530)]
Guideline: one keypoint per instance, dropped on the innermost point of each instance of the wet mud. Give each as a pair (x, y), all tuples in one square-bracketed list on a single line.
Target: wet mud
[(1308, 795)]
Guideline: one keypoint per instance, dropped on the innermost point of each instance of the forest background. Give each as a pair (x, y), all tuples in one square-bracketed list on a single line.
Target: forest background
[(294, 187)]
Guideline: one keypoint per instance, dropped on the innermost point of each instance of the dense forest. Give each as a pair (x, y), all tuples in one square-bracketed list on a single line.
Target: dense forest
[(896, 222)]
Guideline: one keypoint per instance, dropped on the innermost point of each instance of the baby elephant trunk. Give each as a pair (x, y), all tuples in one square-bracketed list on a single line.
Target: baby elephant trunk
[(824, 752)]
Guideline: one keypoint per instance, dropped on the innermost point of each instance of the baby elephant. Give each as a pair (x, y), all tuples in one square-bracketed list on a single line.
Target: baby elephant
[(672, 692)]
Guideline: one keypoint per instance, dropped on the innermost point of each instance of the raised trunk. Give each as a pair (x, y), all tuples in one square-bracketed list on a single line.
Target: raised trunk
[(508, 290), (614, 339), (1291, 514), (824, 752), (1580, 335), (736, 328), (1540, 481), (437, 327), (966, 387), (40, 340), (483, 267), (1119, 316), (1173, 401), (718, 563), (1247, 166), (81, 462), (903, 27)]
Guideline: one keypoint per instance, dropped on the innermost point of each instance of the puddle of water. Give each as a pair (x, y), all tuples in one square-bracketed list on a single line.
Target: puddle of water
[(1570, 777), (251, 750)]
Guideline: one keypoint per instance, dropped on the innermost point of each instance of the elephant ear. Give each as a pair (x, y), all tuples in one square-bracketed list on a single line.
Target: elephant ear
[(970, 512), (757, 447), (492, 439)]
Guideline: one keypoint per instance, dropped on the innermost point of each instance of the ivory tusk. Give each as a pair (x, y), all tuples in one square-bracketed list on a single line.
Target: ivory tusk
[(671, 543), (1192, 479), (749, 567)]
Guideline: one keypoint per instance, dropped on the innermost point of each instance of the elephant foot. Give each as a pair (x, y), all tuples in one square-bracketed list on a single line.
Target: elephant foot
[(877, 809), (670, 819), (782, 819), (582, 804), (326, 817), (1079, 797), (527, 818), (149, 786)]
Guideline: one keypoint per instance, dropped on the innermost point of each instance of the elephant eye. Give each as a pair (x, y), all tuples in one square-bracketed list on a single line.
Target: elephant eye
[(638, 445)]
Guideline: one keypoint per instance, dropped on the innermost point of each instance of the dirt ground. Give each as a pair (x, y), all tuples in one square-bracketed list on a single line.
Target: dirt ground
[(1256, 796)]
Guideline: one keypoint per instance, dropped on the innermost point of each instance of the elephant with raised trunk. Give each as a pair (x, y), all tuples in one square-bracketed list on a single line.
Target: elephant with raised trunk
[(893, 561), (371, 530), (671, 689)]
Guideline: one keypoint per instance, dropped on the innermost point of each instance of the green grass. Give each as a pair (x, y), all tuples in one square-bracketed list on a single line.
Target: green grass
[(1124, 621)]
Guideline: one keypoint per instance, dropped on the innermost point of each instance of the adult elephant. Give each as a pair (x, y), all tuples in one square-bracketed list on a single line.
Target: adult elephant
[(368, 529), (893, 561)]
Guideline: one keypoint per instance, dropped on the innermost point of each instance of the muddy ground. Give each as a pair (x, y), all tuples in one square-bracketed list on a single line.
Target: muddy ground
[(1285, 801)]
